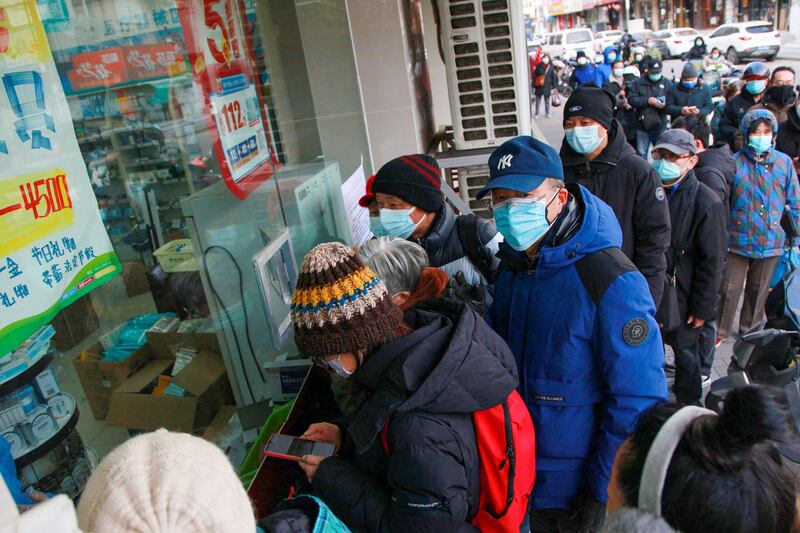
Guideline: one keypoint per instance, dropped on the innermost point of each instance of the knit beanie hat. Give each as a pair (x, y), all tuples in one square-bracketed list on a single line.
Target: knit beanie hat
[(416, 179), (165, 482), (340, 305), (592, 102)]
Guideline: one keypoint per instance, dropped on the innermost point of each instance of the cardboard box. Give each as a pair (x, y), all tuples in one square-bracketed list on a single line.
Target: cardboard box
[(74, 323), (100, 378), (204, 379)]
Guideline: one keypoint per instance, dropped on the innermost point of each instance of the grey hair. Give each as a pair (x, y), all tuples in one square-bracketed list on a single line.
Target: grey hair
[(397, 262)]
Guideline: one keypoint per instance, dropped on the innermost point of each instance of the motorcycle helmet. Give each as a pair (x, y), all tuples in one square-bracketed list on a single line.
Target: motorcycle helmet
[(756, 70)]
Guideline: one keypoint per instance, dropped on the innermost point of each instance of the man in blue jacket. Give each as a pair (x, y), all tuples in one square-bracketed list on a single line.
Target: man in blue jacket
[(579, 319)]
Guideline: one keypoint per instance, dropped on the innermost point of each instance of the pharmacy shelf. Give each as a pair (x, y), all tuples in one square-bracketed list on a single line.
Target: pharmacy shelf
[(45, 447), (13, 383)]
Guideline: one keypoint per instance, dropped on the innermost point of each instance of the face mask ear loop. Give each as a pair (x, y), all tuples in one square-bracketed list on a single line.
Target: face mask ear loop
[(654, 473)]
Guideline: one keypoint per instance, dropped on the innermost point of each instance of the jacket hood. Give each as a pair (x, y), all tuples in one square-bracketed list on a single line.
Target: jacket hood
[(758, 114), (607, 51), (440, 229), (452, 362), (617, 149), (597, 229), (718, 156)]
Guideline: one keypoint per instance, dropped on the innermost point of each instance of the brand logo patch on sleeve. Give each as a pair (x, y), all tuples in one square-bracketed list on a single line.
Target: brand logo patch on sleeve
[(635, 331), (660, 194)]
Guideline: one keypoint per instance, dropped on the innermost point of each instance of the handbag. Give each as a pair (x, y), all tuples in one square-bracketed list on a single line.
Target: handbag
[(538, 81), (668, 315), (555, 99)]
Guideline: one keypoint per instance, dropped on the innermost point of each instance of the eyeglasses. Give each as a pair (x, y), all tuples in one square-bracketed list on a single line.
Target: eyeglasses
[(491, 205), (669, 156)]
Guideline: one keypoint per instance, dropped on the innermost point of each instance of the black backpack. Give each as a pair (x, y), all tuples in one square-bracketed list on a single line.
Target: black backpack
[(469, 234)]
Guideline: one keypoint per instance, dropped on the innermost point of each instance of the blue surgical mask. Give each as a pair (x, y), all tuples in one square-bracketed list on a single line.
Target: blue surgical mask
[(637, 57), (756, 86), (376, 227), (760, 143), (522, 221), (584, 139), (618, 72), (689, 84), (668, 170), (398, 223), (335, 366), (612, 57), (654, 77)]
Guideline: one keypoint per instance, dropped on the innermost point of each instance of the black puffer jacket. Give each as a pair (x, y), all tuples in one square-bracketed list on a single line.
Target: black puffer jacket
[(642, 90), (716, 169), (427, 385), (631, 187), (730, 123), (446, 251), (788, 140), (699, 230)]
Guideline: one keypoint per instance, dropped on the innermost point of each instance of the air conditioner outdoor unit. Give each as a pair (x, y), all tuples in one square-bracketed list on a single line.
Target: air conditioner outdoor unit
[(487, 70)]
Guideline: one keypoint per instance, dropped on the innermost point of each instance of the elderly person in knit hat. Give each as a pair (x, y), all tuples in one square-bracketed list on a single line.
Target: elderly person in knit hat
[(409, 195), (421, 371), (690, 97), (165, 482)]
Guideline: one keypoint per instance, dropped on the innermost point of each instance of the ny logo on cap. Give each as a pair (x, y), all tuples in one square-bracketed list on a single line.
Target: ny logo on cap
[(505, 161)]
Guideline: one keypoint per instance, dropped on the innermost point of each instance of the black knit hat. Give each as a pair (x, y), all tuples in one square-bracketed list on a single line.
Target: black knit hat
[(416, 179), (592, 102)]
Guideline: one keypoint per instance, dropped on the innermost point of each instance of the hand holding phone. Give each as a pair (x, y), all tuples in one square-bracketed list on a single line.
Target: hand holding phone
[(294, 448)]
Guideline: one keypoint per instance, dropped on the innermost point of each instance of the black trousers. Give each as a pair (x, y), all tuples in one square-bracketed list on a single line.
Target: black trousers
[(688, 386), (708, 341)]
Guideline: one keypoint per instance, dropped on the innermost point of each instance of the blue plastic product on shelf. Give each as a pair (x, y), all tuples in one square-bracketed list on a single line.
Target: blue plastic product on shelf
[(133, 336)]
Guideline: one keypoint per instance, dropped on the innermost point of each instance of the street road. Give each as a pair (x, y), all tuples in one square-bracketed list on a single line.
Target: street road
[(553, 130)]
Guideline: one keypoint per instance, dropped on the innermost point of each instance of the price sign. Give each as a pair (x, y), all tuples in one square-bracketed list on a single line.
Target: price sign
[(222, 62)]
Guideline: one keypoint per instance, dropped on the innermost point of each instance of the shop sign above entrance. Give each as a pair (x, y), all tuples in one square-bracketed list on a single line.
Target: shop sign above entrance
[(222, 63)]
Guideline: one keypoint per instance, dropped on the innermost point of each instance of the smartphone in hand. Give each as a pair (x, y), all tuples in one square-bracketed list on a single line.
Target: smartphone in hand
[(294, 448)]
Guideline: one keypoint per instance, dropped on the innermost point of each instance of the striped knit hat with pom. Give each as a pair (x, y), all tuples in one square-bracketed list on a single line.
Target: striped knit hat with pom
[(340, 305)]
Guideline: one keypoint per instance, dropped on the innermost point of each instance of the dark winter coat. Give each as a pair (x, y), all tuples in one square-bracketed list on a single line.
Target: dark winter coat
[(732, 116), (699, 230), (550, 79), (426, 385), (641, 91), (631, 187), (716, 169), (679, 97), (698, 52), (580, 321), (788, 139), (446, 251)]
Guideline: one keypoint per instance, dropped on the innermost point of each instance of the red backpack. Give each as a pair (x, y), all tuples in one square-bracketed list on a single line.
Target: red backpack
[(507, 451)]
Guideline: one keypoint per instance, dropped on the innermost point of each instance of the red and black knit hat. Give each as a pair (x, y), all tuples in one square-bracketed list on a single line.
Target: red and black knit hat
[(340, 305), (416, 179)]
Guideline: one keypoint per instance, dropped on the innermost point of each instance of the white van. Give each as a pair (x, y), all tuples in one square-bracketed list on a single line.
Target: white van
[(567, 43)]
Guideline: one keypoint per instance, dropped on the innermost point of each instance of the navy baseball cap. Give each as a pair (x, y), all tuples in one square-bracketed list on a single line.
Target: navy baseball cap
[(522, 164)]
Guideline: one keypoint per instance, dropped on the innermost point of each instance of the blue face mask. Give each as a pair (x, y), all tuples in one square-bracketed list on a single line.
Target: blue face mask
[(522, 221), (398, 223), (618, 72), (655, 77), (760, 143), (584, 139), (689, 84), (756, 86), (376, 227), (612, 57), (668, 170)]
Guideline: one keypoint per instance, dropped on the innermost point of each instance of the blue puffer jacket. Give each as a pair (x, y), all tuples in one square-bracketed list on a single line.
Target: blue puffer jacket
[(606, 67), (759, 191), (580, 322)]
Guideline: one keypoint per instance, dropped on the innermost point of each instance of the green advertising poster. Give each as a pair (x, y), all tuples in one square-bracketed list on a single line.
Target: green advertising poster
[(53, 245)]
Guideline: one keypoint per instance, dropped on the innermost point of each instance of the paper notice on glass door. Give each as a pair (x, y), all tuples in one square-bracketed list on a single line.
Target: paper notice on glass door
[(352, 191)]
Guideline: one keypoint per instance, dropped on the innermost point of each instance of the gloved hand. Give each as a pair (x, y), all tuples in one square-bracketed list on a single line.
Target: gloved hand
[(475, 296)]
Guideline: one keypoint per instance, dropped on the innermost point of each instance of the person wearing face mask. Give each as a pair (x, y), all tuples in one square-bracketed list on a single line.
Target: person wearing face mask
[(426, 370), (616, 80), (756, 80), (579, 319), (610, 56), (625, 112), (596, 154), (765, 182), (408, 191), (544, 81), (370, 203), (695, 259), (788, 140), (716, 61), (699, 50), (781, 94), (690, 97), (649, 98), (585, 72)]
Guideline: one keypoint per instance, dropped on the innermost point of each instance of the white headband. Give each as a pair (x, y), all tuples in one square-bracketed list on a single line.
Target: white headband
[(659, 457)]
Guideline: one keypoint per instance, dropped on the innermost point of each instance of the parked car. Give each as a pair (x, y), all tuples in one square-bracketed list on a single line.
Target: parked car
[(603, 39), (744, 40), (566, 43), (676, 41)]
